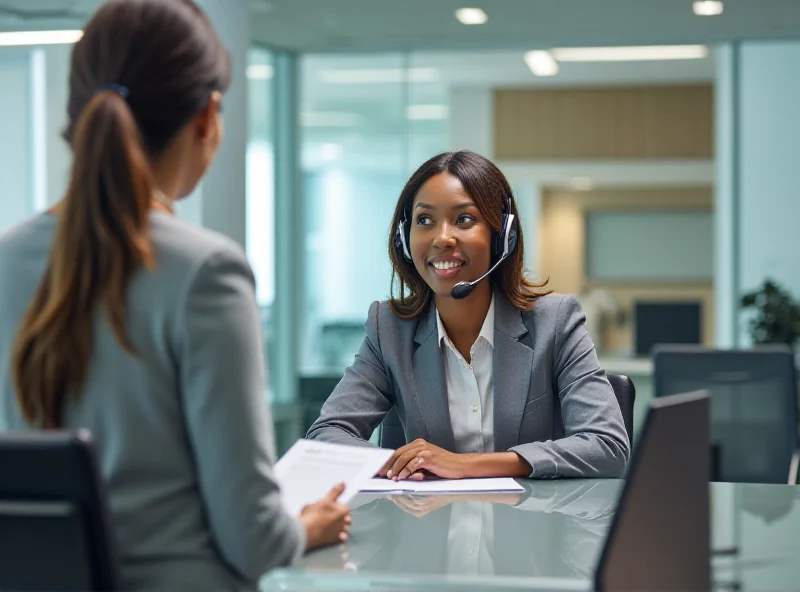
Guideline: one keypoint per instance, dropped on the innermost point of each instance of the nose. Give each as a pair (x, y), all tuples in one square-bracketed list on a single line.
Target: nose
[(444, 236)]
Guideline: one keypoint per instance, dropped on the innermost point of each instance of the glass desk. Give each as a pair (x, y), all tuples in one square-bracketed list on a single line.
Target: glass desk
[(547, 538)]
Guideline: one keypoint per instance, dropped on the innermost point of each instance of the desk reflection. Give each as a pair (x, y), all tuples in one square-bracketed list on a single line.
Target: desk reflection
[(552, 529)]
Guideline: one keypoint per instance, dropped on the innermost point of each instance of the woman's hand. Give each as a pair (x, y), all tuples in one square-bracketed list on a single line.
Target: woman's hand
[(327, 522), (411, 460)]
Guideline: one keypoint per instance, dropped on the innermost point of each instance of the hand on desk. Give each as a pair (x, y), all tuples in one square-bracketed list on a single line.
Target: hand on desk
[(409, 462), (420, 458)]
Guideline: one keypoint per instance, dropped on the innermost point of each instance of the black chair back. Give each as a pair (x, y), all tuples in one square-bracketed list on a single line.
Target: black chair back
[(753, 406), (55, 530), (625, 392)]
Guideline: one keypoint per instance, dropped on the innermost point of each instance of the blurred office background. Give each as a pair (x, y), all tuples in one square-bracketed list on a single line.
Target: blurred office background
[(652, 147)]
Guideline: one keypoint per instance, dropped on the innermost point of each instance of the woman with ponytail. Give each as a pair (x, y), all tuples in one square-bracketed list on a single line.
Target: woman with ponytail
[(118, 318)]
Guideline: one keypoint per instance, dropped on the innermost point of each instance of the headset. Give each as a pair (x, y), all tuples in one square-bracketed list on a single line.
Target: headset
[(504, 243)]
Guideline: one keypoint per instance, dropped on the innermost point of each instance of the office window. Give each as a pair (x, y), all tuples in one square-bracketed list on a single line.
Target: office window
[(261, 185), (367, 121)]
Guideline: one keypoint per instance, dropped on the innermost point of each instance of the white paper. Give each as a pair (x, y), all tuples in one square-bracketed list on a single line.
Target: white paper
[(490, 485), (309, 470)]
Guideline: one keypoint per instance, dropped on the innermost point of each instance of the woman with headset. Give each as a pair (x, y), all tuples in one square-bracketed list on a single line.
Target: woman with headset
[(119, 318), (490, 374)]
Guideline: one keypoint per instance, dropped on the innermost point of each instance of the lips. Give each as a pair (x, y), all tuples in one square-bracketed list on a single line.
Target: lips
[(447, 267)]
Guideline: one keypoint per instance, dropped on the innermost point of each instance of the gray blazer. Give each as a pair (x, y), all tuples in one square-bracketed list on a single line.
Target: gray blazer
[(183, 431), (553, 404)]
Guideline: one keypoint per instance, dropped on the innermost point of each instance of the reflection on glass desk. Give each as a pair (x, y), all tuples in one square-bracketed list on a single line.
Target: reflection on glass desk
[(547, 538)]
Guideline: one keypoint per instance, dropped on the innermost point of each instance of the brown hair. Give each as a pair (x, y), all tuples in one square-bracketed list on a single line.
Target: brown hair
[(140, 72), (492, 194)]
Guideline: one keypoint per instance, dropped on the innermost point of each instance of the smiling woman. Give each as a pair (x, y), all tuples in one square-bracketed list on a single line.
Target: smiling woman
[(500, 380)]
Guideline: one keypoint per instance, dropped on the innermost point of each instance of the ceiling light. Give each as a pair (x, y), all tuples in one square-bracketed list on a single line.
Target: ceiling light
[(541, 63), (471, 16), (708, 7), (380, 76), (630, 54), (331, 152), (39, 37), (260, 72), (427, 112)]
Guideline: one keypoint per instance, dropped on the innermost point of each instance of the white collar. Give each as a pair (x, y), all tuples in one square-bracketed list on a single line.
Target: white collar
[(487, 329)]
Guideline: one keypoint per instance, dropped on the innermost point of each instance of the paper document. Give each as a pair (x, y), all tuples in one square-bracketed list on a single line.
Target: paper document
[(309, 470), (491, 485)]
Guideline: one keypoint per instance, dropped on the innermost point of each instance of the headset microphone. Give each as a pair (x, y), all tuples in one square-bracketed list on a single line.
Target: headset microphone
[(464, 289)]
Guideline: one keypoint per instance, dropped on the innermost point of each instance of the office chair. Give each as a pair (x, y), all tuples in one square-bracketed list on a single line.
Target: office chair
[(55, 531), (393, 436), (625, 392), (753, 407)]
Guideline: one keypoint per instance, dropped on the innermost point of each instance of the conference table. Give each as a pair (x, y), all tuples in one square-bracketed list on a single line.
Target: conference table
[(547, 538)]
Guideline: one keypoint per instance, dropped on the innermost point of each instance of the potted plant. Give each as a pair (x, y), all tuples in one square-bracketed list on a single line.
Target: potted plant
[(777, 318)]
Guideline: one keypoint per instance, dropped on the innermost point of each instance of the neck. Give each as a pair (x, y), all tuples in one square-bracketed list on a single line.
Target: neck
[(463, 319)]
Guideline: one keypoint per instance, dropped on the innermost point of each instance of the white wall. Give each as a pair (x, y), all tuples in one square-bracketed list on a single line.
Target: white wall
[(769, 120), (757, 193)]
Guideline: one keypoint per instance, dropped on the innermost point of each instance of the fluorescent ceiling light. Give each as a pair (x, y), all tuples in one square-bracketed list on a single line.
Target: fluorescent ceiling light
[(260, 72), (471, 16), (331, 152), (541, 63), (39, 37), (629, 54), (427, 112), (708, 7), (380, 76), (330, 119)]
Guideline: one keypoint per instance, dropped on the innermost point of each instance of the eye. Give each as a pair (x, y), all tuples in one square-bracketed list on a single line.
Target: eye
[(465, 219), (423, 219)]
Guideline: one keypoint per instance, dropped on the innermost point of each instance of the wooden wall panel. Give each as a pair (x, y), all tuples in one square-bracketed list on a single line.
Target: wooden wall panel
[(630, 123)]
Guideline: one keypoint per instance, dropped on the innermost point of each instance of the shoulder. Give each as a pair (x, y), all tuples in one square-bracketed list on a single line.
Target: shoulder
[(183, 249), (552, 306), (175, 238), (381, 321)]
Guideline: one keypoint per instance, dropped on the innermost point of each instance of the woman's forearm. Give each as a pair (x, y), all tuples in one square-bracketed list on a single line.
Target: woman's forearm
[(495, 464)]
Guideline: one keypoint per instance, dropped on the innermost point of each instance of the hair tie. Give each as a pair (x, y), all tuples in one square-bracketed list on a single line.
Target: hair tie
[(122, 91)]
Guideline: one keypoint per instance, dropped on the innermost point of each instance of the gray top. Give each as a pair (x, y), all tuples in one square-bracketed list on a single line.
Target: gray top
[(183, 433), (552, 402)]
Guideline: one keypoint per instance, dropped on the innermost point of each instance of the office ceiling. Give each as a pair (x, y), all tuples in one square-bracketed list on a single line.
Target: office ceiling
[(321, 25), (370, 25)]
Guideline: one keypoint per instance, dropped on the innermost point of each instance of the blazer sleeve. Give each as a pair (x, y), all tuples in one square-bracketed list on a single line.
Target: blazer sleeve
[(595, 442), (228, 423), (362, 398)]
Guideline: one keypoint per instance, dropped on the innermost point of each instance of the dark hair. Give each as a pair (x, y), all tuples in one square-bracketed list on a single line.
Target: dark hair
[(492, 194), (141, 71)]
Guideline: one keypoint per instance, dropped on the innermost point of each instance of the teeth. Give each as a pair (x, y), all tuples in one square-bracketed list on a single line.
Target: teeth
[(441, 265)]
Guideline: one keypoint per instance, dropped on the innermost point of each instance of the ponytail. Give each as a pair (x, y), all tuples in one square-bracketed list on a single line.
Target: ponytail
[(100, 242)]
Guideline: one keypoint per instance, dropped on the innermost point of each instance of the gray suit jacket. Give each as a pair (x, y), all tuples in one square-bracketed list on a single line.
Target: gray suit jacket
[(553, 404), (183, 431)]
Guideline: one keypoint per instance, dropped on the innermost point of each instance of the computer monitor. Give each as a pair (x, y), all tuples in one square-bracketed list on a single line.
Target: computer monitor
[(660, 535), (666, 322)]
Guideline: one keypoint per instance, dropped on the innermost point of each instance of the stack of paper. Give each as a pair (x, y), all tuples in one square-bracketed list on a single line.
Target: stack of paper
[(493, 485)]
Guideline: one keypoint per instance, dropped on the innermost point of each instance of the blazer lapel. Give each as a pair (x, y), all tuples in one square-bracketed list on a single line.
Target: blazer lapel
[(431, 388), (511, 373)]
